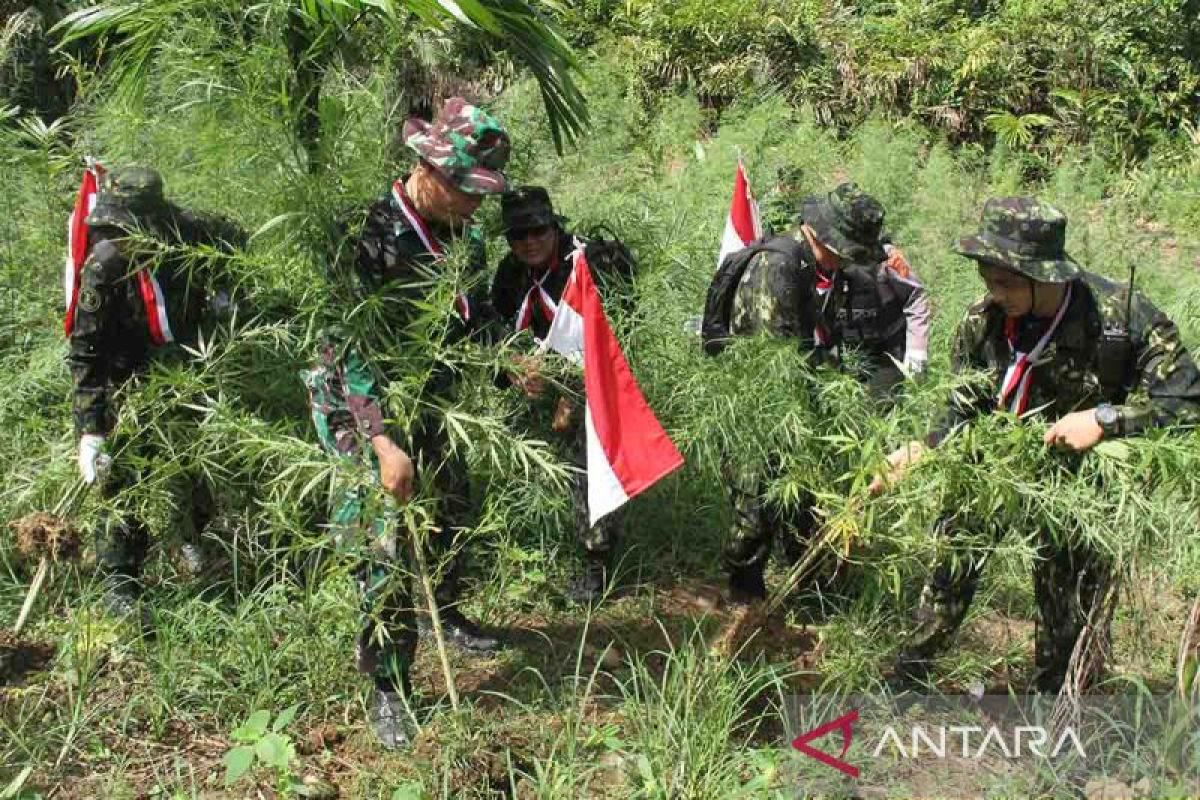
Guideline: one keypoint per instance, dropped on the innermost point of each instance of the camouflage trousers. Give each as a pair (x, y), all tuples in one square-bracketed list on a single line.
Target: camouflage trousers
[(757, 522), (389, 587), (122, 539), (1068, 580)]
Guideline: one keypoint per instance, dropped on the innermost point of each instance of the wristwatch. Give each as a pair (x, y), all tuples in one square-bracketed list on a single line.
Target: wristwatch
[(1108, 417)]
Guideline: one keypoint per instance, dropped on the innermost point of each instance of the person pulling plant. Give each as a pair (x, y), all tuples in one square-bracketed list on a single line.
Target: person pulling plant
[(1053, 341)]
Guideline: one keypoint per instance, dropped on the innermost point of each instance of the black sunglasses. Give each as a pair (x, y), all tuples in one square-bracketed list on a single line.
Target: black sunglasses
[(525, 233)]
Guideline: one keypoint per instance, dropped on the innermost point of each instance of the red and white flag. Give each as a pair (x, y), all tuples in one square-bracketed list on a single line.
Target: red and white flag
[(743, 225), (627, 448), (77, 239)]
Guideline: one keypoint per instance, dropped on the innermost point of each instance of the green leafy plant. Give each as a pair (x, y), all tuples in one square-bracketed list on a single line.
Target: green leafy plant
[(262, 741)]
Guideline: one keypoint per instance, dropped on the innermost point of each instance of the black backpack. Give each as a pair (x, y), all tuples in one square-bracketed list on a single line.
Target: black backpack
[(613, 266), (718, 305)]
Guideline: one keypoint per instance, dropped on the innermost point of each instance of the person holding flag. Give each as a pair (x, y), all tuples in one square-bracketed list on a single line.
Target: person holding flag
[(526, 292), (1094, 357), (402, 248), (834, 285), (138, 290), (627, 449)]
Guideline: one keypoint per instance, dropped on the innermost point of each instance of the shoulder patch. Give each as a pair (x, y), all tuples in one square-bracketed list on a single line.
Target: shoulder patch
[(89, 299)]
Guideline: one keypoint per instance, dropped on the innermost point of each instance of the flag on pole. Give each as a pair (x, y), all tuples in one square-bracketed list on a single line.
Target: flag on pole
[(627, 449), (743, 225)]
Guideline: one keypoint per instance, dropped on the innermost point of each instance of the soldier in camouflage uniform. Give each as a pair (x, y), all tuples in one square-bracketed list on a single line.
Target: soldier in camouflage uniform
[(848, 290), (528, 285), (1094, 357), (141, 298), (395, 264)]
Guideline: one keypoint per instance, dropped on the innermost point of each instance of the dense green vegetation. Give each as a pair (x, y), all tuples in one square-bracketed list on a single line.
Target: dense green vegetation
[(930, 106)]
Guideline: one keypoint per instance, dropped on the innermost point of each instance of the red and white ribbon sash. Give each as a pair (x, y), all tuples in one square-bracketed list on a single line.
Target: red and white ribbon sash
[(1014, 389), (461, 304), (537, 297), (824, 286), (77, 239), (156, 308)]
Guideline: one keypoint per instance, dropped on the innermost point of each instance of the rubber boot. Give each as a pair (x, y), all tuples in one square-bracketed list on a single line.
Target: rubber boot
[(591, 584), (747, 585)]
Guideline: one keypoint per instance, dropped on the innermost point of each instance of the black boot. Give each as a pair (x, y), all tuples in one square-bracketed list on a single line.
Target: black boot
[(590, 585), (122, 599), (914, 663), (462, 632), (747, 585), (911, 669), (388, 716), (122, 594), (120, 553)]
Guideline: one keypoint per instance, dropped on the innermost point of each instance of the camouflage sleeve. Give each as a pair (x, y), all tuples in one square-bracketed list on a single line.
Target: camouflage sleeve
[(87, 355), (967, 400), (212, 230), (344, 395), (1167, 387)]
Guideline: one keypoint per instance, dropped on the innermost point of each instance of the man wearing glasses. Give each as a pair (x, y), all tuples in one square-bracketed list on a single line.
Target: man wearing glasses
[(526, 290)]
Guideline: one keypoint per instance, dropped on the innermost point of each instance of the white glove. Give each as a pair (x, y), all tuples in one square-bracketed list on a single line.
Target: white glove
[(914, 363), (93, 460)]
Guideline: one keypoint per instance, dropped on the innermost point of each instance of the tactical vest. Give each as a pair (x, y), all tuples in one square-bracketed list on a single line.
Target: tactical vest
[(868, 314)]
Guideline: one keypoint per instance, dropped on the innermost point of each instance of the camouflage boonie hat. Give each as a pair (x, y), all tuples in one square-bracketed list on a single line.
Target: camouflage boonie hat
[(848, 221), (129, 194), (464, 143), (1022, 235), (527, 207)]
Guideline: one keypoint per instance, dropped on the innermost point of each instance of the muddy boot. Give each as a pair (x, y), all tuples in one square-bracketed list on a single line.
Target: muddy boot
[(747, 585), (387, 715), (462, 632), (122, 595), (591, 584), (120, 553), (914, 662), (193, 561)]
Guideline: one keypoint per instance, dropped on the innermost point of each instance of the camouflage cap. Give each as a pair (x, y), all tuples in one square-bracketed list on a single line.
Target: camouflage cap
[(848, 221), (464, 143), (130, 194), (1022, 235), (527, 207), (138, 188)]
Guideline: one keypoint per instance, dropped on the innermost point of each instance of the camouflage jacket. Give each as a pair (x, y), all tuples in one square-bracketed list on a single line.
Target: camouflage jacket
[(1107, 349), (882, 308), (110, 340), (345, 387)]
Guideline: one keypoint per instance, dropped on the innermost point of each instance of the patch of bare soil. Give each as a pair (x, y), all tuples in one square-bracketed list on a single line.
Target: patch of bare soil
[(19, 657)]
